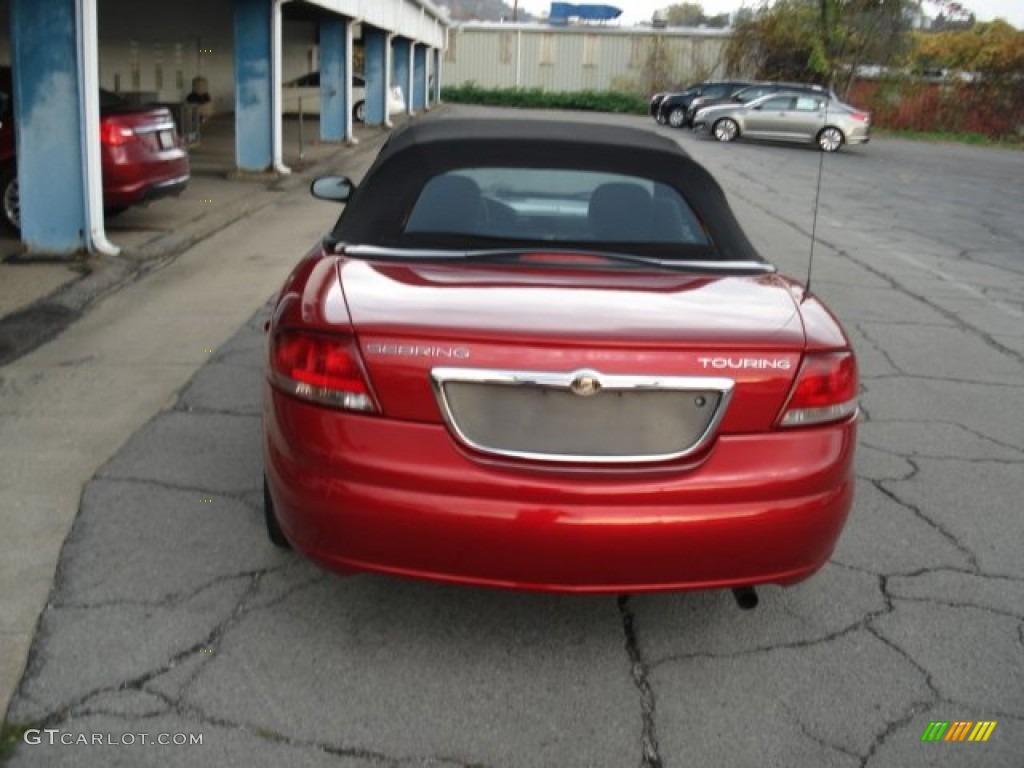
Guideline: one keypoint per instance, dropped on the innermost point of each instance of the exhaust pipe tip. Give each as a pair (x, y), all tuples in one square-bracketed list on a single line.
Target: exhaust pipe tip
[(746, 598)]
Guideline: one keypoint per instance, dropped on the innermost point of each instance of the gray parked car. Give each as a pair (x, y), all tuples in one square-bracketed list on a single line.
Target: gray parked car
[(753, 92), (802, 117)]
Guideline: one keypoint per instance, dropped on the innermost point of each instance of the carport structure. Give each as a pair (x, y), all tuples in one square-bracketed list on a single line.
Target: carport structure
[(56, 80)]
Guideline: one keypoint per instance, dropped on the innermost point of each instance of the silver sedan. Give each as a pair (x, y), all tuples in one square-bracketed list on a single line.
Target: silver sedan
[(788, 117)]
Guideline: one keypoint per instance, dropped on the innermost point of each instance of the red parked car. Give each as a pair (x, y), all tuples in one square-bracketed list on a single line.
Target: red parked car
[(143, 156), (543, 355)]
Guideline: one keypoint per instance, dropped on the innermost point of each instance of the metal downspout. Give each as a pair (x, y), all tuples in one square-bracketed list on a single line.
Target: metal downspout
[(276, 83), (388, 71), (89, 86), (350, 134), (410, 86)]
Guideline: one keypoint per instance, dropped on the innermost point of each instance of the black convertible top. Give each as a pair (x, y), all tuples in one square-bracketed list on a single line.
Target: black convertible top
[(413, 155), (592, 135)]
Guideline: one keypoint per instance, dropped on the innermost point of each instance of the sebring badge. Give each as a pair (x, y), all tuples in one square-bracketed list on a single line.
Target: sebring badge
[(585, 385)]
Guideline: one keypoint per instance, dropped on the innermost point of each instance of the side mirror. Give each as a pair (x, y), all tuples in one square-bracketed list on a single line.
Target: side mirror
[(335, 189)]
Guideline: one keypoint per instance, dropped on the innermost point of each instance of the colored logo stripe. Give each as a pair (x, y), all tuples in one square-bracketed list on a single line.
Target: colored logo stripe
[(982, 731), (934, 731), (958, 730)]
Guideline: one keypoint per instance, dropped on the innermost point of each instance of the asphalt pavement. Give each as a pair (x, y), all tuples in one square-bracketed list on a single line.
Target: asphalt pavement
[(172, 614)]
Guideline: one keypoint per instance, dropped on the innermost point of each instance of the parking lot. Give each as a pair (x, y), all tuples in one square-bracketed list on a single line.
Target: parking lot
[(173, 614)]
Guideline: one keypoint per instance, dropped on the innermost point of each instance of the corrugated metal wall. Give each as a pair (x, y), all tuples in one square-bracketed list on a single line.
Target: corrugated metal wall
[(580, 58)]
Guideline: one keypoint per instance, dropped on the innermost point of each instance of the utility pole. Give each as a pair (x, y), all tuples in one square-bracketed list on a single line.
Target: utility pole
[(515, 11)]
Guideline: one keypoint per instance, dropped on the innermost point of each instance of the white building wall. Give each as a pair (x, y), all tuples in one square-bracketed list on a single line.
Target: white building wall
[(578, 58)]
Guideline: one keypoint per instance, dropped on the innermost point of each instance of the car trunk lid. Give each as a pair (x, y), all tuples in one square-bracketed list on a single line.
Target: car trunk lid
[(502, 351), (151, 126)]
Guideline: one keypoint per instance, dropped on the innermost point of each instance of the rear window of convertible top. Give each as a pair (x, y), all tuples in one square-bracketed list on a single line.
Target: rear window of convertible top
[(555, 205)]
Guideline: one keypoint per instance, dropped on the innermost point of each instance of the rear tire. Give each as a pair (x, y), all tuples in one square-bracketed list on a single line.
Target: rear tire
[(726, 129), (274, 532), (10, 200), (830, 139), (677, 117), (359, 112)]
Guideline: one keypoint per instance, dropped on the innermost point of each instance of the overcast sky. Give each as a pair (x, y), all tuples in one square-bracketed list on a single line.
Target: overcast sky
[(641, 10)]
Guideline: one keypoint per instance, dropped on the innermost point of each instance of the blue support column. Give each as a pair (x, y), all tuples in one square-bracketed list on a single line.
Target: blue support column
[(49, 125), (254, 102), (419, 76), (334, 72), (400, 50), (375, 70)]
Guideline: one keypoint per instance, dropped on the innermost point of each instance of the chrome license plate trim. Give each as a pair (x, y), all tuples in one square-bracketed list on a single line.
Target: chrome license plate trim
[(563, 381)]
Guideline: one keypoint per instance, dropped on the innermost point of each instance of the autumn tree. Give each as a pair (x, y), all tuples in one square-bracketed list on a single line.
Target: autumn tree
[(993, 50), (991, 99)]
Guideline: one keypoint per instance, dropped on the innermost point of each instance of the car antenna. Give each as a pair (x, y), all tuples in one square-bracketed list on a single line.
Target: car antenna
[(814, 221)]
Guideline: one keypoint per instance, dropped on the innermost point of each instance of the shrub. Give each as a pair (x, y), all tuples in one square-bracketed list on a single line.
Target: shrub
[(535, 98), (992, 109)]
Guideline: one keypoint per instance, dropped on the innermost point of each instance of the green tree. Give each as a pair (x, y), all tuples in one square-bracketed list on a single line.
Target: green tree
[(819, 40), (743, 15), (952, 16), (855, 32), (692, 15), (776, 42), (685, 15)]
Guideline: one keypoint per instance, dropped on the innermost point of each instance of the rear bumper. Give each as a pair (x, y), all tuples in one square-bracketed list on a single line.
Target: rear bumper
[(133, 184), (165, 189), (365, 493)]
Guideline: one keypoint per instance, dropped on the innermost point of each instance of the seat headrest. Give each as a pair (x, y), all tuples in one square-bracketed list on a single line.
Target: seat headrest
[(447, 204), (620, 211)]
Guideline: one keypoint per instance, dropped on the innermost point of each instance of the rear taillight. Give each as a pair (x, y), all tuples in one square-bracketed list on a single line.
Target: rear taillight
[(114, 135), (861, 117), (321, 368), (825, 390)]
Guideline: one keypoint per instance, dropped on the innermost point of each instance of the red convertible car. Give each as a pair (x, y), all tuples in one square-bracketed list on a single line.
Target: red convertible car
[(543, 355)]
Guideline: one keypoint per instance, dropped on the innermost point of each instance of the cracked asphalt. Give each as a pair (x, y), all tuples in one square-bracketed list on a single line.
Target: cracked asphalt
[(172, 613)]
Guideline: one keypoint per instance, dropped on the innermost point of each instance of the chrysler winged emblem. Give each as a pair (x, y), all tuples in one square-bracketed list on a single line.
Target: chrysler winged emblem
[(585, 385)]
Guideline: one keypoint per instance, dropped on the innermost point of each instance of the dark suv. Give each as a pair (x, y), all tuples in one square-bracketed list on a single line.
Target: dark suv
[(671, 107), (754, 91)]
